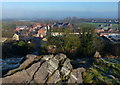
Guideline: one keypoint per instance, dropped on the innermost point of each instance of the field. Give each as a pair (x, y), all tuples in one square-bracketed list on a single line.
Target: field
[(96, 24)]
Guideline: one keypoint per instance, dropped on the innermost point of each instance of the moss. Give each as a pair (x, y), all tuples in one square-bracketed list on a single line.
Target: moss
[(100, 71), (116, 73), (86, 78)]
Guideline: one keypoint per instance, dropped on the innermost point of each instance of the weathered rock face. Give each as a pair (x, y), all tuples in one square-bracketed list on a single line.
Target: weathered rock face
[(54, 78), (19, 77), (46, 69), (67, 67), (29, 60), (76, 76)]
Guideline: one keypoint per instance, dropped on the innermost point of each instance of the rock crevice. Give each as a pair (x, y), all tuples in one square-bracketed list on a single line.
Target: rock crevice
[(47, 69)]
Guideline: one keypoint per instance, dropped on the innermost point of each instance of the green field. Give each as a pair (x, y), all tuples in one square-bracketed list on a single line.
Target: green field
[(96, 24)]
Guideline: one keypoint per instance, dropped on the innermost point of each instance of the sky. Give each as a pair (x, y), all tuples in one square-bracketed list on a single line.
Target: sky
[(60, 0), (57, 10)]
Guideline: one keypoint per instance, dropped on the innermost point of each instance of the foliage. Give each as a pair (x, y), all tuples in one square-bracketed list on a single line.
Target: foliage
[(87, 42), (111, 49), (65, 41), (16, 48), (90, 42), (21, 43), (103, 71)]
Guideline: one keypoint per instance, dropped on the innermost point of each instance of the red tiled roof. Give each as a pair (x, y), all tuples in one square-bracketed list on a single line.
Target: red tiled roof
[(17, 29), (41, 31)]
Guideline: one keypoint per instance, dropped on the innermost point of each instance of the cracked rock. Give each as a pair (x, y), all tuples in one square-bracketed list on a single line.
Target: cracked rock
[(55, 77), (67, 67), (48, 69), (60, 56), (19, 77), (76, 76)]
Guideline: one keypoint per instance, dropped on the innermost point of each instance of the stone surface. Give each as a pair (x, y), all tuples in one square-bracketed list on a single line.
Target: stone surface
[(42, 74), (47, 57), (97, 55), (52, 49), (31, 71), (76, 76), (53, 64), (67, 67), (60, 56), (49, 69), (15, 37), (54, 78), (81, 69), (19, 77), (46, 70), (30, 59)]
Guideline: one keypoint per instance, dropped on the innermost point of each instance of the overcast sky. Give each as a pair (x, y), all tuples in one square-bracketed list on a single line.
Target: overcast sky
[(59, 9)]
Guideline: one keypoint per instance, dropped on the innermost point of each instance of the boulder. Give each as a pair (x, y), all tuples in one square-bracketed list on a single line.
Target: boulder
[(46, 70), (53, 64), (19, 77), (54, 78), (97, 55), (42, 74), (29, 60), (76, 76), (60, 57), (15, 37), (31, 71), (81, 69), (50, 69), (52, 49), (47, 57), (67, 67)]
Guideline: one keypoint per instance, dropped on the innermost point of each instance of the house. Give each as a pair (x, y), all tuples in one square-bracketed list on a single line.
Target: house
[(98, 30), (109, 29), (110, 25), (48, 27), (30, 29), (17, 29), (103, 34), (41, 33), (100, 25), (65, 24), (54, 25)]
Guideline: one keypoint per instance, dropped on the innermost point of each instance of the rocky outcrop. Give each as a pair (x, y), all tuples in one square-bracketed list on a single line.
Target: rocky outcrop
[(30, 59), (76, 76), (46, 69)]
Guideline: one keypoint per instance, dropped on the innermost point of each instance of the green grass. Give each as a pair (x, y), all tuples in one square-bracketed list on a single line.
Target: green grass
[(103, 71), (96, 24)]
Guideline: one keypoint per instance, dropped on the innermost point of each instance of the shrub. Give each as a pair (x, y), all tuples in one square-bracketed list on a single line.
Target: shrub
[(65, 42), (90, 42)]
